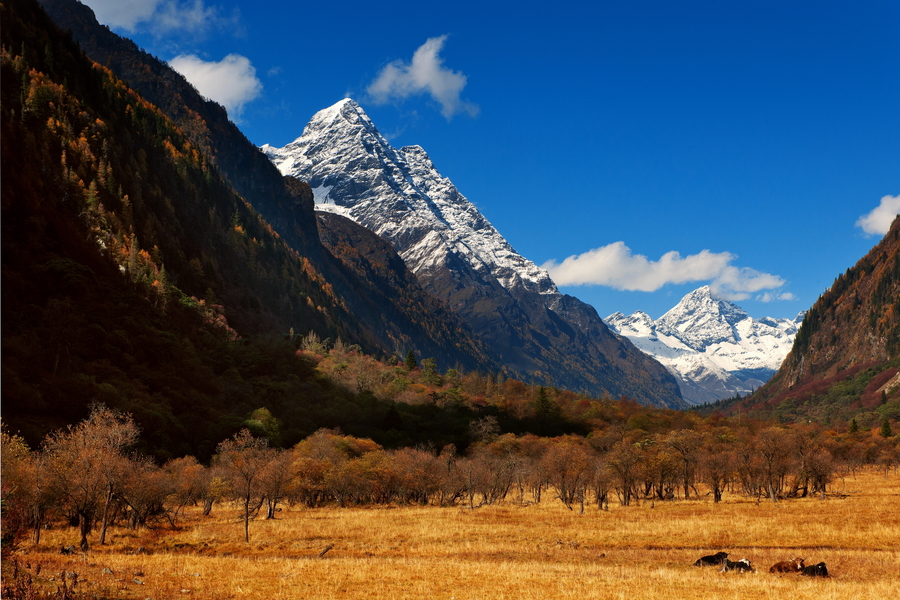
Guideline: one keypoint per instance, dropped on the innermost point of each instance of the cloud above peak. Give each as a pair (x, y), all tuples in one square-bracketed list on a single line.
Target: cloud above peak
[(425, 74), (161, 17), (231, 82), (878, 220), (615, 266)]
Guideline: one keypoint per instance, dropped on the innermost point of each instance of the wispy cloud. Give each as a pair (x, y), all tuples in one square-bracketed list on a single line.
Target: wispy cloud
[(617, 267), (161, 17), (770, 297), (425, 74), (231, 82), (878, 221)]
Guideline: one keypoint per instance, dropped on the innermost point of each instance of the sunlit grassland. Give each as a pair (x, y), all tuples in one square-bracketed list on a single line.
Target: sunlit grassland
[(505, 551)]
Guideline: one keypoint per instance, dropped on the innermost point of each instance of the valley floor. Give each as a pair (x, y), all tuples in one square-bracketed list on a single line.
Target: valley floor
[(502, 551)]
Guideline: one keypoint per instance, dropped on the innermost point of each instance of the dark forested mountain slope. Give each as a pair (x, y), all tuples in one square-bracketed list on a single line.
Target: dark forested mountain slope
[(204, 122), (134, 275), (284, 204), (845, 356)]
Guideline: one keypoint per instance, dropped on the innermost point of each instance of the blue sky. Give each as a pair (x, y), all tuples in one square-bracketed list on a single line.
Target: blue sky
[(637, 149)]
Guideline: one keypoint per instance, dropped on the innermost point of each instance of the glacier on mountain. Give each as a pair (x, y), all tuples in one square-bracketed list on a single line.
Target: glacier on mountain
[(713, 347)]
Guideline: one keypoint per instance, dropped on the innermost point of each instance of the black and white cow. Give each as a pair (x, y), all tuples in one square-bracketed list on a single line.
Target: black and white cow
[(741, 566)]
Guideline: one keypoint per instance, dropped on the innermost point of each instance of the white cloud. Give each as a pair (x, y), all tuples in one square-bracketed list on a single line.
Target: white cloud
[(425, 74), (124, 14), (162, 17), (615, 266), (878, 221), (231, 82)]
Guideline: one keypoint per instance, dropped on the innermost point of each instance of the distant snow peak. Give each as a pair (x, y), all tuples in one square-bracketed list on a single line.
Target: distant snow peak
[(400, 195), (712, 346)]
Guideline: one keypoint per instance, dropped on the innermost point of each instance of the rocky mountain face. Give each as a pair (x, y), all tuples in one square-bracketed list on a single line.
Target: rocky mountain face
[(458, 256), (714, 348)]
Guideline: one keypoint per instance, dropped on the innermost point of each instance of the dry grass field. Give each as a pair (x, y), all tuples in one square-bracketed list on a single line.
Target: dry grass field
[(537, 551)]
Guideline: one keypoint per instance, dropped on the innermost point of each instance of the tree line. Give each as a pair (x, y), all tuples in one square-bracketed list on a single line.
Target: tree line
[(86, 476)]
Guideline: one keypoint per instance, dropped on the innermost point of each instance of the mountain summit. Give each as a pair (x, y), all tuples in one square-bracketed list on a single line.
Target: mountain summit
[(458, 256), (399, 195), (713, 347)]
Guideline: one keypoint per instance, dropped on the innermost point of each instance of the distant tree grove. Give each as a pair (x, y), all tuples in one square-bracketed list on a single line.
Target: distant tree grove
[(88, 476)]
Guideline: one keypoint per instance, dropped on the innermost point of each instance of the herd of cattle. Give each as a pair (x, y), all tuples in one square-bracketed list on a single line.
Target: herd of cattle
[(742, 566)]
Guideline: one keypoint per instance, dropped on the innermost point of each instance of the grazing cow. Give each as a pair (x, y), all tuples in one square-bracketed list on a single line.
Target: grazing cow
[(788, 566), (819, 570), (713, 559), (67, 549), (741, 566)]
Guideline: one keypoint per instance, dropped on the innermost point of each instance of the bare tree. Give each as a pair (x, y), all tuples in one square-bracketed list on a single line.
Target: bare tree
[(27, 492), (662, 472), (717, 462), (188, 483), (568, 464), (276, 479), (774, 448), (88, 464), (625, 461), (419, 474), (686, 443), (243, 459), (602, 482), (144, 492)]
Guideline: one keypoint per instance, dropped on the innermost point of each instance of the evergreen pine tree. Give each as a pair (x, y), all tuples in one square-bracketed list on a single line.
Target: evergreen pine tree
[(886, 428), (544, 407), (411, 360)]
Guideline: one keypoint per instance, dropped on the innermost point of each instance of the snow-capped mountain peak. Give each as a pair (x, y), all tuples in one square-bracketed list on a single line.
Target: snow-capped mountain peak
[(701, 319), (713, 346), (400, 195)]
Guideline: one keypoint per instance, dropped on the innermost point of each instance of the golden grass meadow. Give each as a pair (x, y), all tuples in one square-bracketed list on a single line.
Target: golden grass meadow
[(502, 551)]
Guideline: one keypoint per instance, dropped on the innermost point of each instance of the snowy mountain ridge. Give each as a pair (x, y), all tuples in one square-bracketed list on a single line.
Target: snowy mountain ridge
[(713, 347), (427, 217)]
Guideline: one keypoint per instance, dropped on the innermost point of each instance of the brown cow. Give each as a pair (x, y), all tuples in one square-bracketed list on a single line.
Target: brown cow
[(788, 566)]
